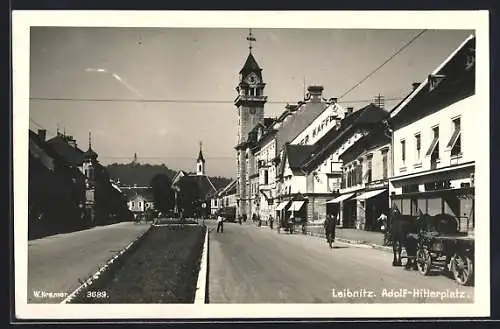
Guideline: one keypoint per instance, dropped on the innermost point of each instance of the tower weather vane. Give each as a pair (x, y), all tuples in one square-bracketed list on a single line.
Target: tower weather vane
[(250, 39)]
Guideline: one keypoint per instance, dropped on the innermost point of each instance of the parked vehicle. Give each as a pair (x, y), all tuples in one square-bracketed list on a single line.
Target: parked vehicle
[(433, 243)]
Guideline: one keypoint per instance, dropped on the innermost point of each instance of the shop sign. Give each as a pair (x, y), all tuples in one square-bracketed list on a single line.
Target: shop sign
[(438, 185)]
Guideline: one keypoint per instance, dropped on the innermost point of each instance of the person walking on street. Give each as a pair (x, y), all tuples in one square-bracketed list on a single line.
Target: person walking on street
[(220, 224), (330, 230)]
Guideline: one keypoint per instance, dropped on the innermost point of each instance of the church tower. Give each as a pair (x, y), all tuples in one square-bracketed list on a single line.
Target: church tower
[(250, 105), (89, 167), (200, 164)]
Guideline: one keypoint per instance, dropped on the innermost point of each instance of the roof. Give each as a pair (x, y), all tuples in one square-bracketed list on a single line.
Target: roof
[(200, 157), (228, 188), (132, 193), (90, 154), (367, 117), (469, 42), (298, 122), (41, 152), (72, 155), (205, 186), (250, 65), (297, 154)]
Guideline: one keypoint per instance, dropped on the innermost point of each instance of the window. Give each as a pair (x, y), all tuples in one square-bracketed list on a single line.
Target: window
[(403, 151), (455, 143), (359, 174), (434, 147), (133, 204), (384, 164), (417, 147), (266, 177), (369, 169), (306, 139)]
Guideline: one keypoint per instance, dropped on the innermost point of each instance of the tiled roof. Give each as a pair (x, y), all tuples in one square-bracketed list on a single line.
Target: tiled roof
[(72, 155), (297, 154), (298, 122), (366, 117), (228, 189)]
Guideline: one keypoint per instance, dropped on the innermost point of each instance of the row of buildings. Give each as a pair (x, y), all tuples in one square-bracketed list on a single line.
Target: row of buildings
[(68, 188), (319, 158)]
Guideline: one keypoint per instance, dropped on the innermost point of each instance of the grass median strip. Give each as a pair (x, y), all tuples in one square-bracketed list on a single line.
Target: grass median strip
[(162, 269)]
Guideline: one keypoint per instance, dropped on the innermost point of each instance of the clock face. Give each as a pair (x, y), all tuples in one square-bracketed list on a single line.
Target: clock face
[(252, 79)]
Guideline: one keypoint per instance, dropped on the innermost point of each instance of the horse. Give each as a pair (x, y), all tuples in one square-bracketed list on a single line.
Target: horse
[(407, 230)]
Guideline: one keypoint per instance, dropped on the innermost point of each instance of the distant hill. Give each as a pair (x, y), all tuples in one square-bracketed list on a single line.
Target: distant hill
[(141, 174)]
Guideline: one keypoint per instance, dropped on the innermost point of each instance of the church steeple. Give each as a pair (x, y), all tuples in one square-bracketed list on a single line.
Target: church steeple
[(90, 154), (200, 163)]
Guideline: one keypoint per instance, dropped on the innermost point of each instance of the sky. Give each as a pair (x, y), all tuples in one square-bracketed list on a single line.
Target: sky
[(189, 75)]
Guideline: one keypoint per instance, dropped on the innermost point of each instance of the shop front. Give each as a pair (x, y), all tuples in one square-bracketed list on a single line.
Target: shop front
[(449, 193), (372, 204), (346, 209)]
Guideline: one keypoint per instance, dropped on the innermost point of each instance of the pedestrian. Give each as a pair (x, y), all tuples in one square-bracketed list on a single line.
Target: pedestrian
[(271, 222), (382, 221), (330, 230), (220, 223)]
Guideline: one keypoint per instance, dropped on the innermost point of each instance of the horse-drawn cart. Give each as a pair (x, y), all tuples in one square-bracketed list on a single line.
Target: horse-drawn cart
[(433, 243), (448, 252)]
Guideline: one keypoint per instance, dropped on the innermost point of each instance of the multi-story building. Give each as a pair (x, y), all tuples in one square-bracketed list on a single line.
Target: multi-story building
[(365, 171), (353, 127), (434, 142)]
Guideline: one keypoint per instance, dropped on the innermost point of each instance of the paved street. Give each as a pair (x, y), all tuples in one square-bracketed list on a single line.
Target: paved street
[(256, 265), (56, 263)]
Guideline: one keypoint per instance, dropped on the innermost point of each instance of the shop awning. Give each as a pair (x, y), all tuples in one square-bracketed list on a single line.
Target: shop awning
[(341, 198), (370, 194), (282, 205), (296, 205)]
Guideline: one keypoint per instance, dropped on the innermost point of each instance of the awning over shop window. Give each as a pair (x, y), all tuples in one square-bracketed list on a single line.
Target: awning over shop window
[(341, 198), (296, 205), (282, 205), (370, 194)]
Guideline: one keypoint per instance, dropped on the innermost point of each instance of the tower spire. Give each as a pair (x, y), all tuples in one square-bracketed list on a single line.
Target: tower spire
[(90, 140), (250, 39)]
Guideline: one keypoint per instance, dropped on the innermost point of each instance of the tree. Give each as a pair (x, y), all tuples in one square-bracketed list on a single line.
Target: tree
[(163, 195)]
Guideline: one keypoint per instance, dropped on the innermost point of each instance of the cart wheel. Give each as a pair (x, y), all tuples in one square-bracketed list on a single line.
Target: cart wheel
[(462, 269), (424, 261)]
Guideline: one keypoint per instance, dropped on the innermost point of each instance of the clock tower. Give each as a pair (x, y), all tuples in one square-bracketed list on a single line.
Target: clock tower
[(250, 106)]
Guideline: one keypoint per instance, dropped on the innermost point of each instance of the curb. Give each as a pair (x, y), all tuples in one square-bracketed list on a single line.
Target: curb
[(201, 285), (94, 277)]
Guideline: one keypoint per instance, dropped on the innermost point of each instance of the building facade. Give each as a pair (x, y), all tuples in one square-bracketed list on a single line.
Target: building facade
[(365, 172), (250, 106), (434, 140)]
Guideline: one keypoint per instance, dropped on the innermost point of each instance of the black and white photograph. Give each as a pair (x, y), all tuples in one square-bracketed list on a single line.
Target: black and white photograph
[(246, 164)]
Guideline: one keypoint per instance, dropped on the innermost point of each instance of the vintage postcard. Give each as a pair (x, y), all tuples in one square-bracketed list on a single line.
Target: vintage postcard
[(214, 165)]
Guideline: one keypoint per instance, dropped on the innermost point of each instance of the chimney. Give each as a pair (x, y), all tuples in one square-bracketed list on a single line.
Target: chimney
[(333, 100), (292, 107), (71, 141), (315, 93), (350, 110), (415, 85), (42, 133)]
